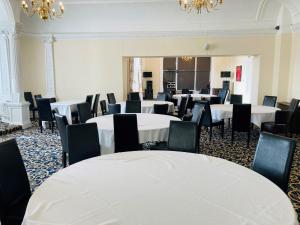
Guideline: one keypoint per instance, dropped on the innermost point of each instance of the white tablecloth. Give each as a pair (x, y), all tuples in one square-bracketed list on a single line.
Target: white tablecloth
[(259, 113), (66, 108), (148, 106), (151, 127), (158, 188), (194, 96)]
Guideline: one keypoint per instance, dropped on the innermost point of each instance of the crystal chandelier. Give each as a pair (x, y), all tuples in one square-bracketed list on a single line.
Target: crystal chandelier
[(199, 5), (44, 8), (187, 59)]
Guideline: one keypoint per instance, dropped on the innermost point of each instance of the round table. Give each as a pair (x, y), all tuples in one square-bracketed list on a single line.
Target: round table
[(151, 127), (158, 188), (148, 106), (194, 96), (259, 113)]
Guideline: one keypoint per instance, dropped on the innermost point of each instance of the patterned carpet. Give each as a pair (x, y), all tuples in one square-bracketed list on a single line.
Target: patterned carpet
[(7, 129), (42, 155)]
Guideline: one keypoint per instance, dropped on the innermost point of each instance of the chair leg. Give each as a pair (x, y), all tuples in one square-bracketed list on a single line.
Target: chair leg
[(222, 131), (52, 127), (64, 159), (33, 115), (248, 140), (232, 137), (210, 133)]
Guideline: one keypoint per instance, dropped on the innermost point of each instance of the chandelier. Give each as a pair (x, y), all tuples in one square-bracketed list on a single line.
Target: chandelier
[(44, 8), (199, 5), (187, 59)]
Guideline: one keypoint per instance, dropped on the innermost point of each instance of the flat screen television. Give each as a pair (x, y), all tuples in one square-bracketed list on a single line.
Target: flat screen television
[(147, 74), (225, 74)]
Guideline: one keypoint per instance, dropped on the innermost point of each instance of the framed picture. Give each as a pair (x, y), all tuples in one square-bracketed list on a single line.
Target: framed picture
[(239, 70)]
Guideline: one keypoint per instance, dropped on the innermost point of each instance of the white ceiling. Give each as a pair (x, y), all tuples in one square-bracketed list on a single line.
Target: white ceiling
[(159, 17)]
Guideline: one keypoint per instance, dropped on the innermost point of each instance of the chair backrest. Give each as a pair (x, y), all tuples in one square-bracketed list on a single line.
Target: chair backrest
[(37, 96), (52, 100), (241, 117), (294, 105), (283, 117), (223, 94), (295, 122), (103, 107), (44, 109), (185, 91), (134, 96), (161, 96), (84, 112), (182, 107), (190, 102), (114, 108), (83, 142), (205, 91), (236, 99), (161, 109), (96, 103), (62, 124), (89, 99), (111, 98), (270, 101), (128, 141), (215, 100), (28, 97), (273, 158), (183, 136), (206, 118), (13, 177), (133, 107), (197, 113)]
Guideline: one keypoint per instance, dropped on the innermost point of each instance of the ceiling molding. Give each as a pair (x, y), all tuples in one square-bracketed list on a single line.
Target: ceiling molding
[(261, 9)]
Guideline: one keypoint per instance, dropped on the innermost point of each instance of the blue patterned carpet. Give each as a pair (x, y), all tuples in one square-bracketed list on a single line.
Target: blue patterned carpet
[(42, 155)]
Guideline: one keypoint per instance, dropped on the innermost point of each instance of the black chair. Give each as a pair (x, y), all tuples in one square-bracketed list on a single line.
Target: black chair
[(95, 106), (15, 189), (185, 91), (161, 96), (294, 105), (190, 103), (241, 120), (205, 91), (83, 142), (208, 122), (114, 108), (215, 100), (45, 113), (134, 96), (183, 136), (89, 99), (103, 107), (295, 123), (84, 112), (52, 100), (37, 97), (280, 125), (111, 98), (182, 107), (62, 124), (133, 107), (28, 97), (197, 113), (236, 99), (270, 101), (128, 141), (223, 94), (161, 109), (273, 158)]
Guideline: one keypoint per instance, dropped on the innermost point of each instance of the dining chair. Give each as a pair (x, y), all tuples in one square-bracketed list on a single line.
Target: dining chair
[(83, 142), (134, 96), (273, 158), (161, 109), (294, 105), (161, 96), (190, 103), (95, 105), (133, 107), (84, 112), (295, 123), (128, 141), (62, 124), (111, 98), (270, 101), (185, 91), (114, 108), (89, 99), (28, 97), (52, 100), (208, 122), (215, 100), (182, 107), (15, 188), (241, 120), (236, 99), (45, 113), (37, 97), (223, 95), (183, 136), (205, 91), (103, 107), (281, 124)]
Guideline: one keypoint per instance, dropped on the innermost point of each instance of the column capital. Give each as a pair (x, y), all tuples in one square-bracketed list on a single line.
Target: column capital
[(48, 39)]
